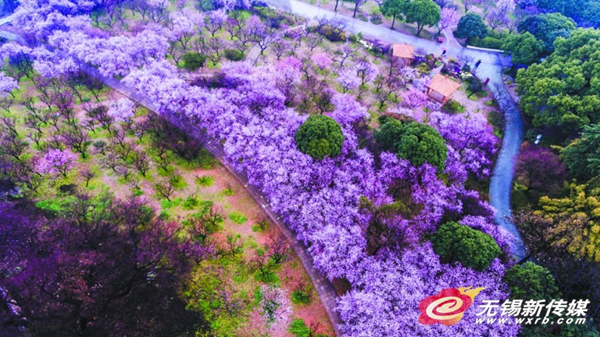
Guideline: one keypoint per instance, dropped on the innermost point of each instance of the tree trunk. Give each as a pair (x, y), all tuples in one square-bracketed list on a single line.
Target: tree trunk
[(336, 5), (419, 29), (393, 21), (355, 9)]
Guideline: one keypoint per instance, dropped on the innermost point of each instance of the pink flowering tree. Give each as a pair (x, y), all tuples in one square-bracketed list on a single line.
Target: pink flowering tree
[(276, 309), (57, 162), (287, 75)]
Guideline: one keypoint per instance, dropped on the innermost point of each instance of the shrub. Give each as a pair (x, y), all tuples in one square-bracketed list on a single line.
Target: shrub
[(362, 17), (496, 119), (531, 281), (474, 249), (320, 136), (238, 218), (266, 277), (190, 203), (299, 328), (376, 19), (205, 181), (332, 34), (234, 54), (453, 106), (299, 297), (177, 181), (193, 61)]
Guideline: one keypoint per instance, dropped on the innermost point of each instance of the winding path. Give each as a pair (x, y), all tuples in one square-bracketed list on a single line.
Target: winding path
[(491, 67)]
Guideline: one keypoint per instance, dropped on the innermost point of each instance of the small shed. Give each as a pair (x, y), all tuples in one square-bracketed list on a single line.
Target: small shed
[(404, 52), (441, 88)]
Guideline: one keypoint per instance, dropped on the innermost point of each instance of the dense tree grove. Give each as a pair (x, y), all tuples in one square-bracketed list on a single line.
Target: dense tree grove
[(568, 103), (395, 218), (547, 28), (524, 48), (93, 269), (582, 11), (582, 155)]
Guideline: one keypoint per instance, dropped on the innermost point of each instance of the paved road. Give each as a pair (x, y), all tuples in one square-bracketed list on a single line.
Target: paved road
[(491, 67)]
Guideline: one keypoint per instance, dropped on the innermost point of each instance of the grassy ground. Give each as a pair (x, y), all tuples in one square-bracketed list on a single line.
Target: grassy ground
[(216, 286)]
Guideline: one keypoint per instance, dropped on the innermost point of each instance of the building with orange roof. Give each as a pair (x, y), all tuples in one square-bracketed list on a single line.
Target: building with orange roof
[(441, 88), (403, 52)]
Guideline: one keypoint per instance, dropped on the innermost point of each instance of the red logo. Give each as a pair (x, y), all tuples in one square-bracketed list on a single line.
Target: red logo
[(448, 306)]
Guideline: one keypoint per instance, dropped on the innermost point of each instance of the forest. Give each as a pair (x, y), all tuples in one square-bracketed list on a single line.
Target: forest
[(227, 168)]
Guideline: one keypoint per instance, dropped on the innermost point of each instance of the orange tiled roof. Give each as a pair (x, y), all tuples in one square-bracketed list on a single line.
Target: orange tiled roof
[(443, 85), (402, 50)]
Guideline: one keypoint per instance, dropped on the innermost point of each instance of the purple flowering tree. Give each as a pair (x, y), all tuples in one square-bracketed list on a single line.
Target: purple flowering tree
[(413, 98), (321, 60), (7, 85), (348, 80), (386, 299), (449, 18), (471, 142), (122, 110), (57, 162)]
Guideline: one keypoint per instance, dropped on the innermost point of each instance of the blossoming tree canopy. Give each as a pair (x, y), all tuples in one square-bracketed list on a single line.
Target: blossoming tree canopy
[(320, 137)]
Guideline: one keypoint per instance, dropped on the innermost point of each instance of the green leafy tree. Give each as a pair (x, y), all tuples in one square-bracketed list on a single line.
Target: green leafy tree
[(582, 156), (393, 8), (591, 15), (388, 135), (422, 144), (531, 281), (422, 12), (474, 249), (320, 136), (471, 26), (525, 48), (563, 90), (193, 61), (414, 141), (547, 28)]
